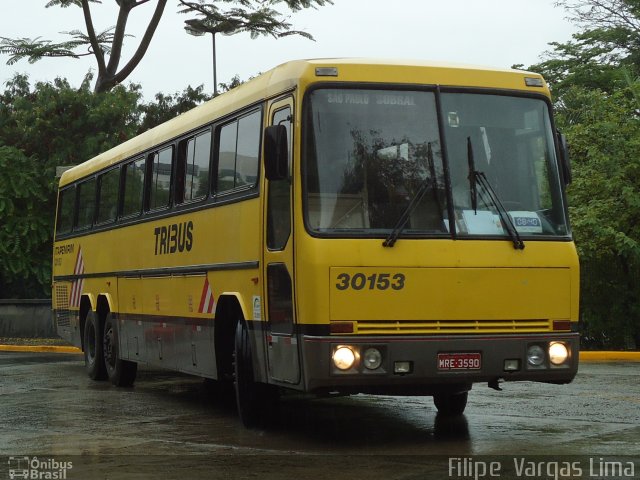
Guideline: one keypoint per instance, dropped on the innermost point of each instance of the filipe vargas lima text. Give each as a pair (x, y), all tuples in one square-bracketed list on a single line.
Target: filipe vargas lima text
[(532, 468)]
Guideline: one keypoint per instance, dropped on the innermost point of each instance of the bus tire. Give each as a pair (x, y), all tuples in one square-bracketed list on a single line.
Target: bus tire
[(121, 373), (451, 404), (256, 402), (93, 356)]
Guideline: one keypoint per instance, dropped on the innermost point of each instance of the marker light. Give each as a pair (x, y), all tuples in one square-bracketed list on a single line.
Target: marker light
[(372, 358), (535, 355), (558, 353), (326, 72), (533, 82), (344, 358)]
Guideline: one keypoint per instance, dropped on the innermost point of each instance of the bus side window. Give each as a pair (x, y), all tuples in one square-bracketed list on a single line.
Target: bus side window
[(160, 184), (279, 196), (108, 184), (192, 174), (86, 203), (247, 159), (133, 190), (64, 222), (238, 152), (228, 137)]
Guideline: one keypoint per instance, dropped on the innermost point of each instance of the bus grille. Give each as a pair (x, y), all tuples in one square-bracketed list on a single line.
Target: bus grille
[(451, 326), (63, 315)]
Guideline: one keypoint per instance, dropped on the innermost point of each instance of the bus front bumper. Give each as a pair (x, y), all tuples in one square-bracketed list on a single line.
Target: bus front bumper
[(424, 365)]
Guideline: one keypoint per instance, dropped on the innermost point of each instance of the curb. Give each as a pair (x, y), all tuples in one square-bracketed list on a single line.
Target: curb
[(39, 349), (587, 357)]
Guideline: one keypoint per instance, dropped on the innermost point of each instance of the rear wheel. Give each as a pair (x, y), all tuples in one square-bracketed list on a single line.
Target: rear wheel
[(451, 404), (122, 373), (93, 356), (257, 402)]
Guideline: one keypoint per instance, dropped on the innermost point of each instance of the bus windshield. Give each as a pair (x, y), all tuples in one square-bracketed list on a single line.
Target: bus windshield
[(374, 156)]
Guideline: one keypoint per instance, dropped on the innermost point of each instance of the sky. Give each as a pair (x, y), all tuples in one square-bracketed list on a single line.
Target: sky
[(496, 33)]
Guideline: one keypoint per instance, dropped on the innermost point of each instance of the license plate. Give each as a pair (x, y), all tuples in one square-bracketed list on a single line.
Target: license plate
[(459, 361)]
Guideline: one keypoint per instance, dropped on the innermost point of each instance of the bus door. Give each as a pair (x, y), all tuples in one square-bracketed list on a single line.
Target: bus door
[(277, 264)]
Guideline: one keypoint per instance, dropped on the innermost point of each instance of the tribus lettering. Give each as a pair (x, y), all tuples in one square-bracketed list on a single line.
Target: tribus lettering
[(177, 237)]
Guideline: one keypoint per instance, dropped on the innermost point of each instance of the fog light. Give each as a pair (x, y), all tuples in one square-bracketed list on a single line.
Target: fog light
[(511, 365), (344, 358), (558, 353), (372, 358), (535, 355), (402, 367)]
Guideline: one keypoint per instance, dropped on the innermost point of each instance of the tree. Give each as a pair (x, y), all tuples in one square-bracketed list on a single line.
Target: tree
[(167, 107), (263, 20), (597, 98), (258, 17), (604, 133), (60, 125), (604, 14), (25, 253), (42, 127), (600, 56)]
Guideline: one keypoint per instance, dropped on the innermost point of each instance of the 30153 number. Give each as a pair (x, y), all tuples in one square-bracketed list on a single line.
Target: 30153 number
[(375, 281)]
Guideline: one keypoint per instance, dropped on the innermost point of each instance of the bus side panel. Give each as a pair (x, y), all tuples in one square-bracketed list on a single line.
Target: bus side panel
[(131, 329), (193, 336)]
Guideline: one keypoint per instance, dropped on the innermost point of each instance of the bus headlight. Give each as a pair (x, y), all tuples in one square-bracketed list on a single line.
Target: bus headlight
[(535, 355), (372, 358), (558, 353), (344, 357)]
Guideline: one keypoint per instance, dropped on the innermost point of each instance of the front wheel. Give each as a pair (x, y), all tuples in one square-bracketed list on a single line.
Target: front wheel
[(122, 373), (256, 402), (451, 404)]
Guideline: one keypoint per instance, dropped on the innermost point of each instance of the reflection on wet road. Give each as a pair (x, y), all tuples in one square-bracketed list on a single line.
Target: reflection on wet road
[(49, 407)]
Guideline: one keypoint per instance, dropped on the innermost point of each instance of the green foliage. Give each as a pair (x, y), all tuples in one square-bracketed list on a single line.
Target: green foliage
[(598, 56), (579, 63), (604, 134), (167, 107), (42, 127), (25, 231), (597, 100), (61, 125)]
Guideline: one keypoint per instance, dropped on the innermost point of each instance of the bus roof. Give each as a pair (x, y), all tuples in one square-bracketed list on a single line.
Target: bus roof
[(303, 73)]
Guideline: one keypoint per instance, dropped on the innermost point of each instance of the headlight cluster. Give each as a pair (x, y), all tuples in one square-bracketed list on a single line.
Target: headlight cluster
[(556, 353), (348, 357)]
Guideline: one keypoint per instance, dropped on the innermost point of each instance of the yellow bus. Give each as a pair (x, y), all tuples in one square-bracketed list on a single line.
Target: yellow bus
[(333, 226)]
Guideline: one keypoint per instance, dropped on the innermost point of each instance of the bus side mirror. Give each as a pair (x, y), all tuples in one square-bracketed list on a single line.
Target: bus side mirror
[(276, 152), (565, 162)]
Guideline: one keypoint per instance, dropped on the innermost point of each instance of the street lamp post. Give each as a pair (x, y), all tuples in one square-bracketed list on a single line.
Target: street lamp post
[(200, 27), (215, 78)]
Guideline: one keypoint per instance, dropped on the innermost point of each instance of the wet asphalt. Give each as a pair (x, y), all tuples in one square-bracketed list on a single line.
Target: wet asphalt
[(175, 426)]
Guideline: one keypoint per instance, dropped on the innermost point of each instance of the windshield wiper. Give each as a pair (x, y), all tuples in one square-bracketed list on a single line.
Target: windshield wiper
[(473, 182), (428, 182), (479, 178)]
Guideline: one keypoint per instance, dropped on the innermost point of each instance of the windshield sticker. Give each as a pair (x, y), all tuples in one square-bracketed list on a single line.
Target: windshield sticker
[(482, 222), (527, 222)]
